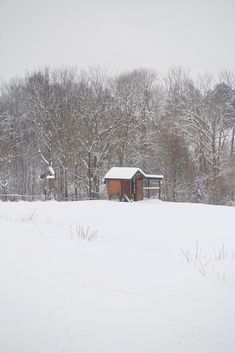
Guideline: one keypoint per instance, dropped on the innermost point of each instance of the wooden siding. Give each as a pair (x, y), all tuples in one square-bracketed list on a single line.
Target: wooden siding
[(117, 188), (139, 188), (114, 188)]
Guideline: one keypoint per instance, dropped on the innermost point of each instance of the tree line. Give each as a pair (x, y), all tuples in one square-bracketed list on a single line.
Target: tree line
[(82, 123)]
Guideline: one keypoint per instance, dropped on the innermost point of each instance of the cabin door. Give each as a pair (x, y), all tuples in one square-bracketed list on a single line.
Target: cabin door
[(139, 188), (126, 188)]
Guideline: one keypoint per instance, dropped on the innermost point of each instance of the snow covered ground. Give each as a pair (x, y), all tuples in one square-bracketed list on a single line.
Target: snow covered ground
[(154, 277)]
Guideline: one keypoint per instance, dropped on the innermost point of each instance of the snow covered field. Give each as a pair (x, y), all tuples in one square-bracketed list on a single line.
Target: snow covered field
[(154, 277)]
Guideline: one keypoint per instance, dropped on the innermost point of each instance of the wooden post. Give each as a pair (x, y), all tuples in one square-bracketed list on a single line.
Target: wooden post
[(148, 189), (159, 192)]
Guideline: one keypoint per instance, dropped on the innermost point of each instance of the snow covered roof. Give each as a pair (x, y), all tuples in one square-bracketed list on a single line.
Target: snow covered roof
[(127, 173), (122, 173), (153, 176)]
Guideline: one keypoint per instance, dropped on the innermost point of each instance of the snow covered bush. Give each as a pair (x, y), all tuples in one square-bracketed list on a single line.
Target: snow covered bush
[(83, 232), (214, 262)]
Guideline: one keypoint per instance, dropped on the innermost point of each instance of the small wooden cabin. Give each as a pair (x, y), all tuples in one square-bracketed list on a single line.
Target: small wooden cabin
[(130, 183)]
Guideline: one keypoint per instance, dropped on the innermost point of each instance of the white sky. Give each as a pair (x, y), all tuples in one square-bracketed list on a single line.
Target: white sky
[(117, 35)]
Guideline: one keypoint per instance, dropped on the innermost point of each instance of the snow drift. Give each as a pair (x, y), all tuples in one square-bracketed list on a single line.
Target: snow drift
[(110, 277)]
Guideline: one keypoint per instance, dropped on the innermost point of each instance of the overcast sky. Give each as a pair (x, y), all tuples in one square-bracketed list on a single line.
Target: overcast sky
[(117, 35)]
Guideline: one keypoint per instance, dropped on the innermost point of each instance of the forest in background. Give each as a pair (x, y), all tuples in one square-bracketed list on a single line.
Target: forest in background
[(81, 123)]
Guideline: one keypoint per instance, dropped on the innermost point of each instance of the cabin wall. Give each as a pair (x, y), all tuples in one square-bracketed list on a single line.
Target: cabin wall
[(117, 188), (114, 188), (132, 189)]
